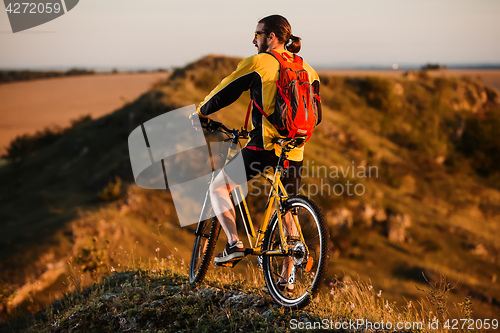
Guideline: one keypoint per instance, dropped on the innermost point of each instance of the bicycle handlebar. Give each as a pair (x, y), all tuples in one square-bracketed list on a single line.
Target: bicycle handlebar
[(216, 126), (294, 142)]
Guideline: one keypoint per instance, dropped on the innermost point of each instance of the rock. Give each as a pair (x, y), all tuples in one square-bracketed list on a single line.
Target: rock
[(480, 250), (268, 313), (380, 216), (440, 159), (258, 301), (157, 303), (235, 301), (208, 293), (304, 317), (366, 213), (108, 296), (396, 228), (341, 218)]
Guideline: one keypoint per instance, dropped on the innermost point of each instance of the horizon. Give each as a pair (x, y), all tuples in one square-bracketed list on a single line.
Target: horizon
[(322, 67)]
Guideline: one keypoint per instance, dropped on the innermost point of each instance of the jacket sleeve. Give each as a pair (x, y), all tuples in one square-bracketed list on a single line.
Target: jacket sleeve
[(230, 88)]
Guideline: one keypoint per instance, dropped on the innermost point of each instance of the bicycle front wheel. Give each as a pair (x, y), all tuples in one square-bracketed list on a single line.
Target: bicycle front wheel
[(203, 250), (294, 279)]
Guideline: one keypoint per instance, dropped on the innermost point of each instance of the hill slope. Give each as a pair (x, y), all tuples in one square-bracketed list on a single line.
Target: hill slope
[(404, 168), (162, 301)]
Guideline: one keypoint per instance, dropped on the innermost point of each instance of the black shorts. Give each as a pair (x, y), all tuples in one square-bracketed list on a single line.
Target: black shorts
[(256, 161)]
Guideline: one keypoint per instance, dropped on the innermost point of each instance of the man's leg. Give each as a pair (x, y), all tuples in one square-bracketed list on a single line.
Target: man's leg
[(289, 229), (223, 206), (224, 210), (292, 186), (254, 162)]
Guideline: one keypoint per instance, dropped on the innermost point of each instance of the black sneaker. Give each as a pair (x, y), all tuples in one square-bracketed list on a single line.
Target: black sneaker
[(285, 286), (237, 251)]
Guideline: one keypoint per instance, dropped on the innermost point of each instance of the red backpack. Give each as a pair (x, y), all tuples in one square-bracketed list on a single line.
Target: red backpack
[(295, 112)]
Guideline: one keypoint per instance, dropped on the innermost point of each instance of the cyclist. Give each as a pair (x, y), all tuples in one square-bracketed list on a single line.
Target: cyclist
[(258, 74)]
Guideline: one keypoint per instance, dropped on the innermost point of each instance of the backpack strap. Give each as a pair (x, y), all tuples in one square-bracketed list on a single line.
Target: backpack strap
[(250, 109), (278, 56), (248, 115), (296, 59)]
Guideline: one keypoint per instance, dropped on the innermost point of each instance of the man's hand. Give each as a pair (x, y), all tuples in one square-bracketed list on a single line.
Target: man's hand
[(198, 120)]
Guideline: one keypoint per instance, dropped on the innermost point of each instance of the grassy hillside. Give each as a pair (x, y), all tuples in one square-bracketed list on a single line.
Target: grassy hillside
[(423, 200), (159, 299)]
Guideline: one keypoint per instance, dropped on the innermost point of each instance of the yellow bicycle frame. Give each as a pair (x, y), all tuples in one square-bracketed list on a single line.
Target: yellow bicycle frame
[(275, 199)]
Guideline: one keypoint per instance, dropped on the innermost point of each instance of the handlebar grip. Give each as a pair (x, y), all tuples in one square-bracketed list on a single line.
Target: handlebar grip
[(281, 141), (213, 125), (297, 141)]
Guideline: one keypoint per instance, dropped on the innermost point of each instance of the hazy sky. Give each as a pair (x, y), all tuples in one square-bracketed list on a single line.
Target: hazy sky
[(162, 33)]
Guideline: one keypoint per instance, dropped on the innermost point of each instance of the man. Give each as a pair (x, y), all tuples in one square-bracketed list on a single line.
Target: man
[(258, 73)]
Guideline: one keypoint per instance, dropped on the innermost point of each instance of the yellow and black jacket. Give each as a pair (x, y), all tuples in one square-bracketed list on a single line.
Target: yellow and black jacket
[(258, 73)]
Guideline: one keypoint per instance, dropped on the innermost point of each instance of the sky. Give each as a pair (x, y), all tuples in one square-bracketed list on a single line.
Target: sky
[(335, 34)]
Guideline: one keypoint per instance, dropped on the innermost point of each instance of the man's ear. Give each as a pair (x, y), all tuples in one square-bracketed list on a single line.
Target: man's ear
[(272, 35)]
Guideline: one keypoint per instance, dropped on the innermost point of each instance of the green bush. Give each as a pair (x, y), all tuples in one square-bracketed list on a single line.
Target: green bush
[(377, 92), (480, 142), (26, 144)]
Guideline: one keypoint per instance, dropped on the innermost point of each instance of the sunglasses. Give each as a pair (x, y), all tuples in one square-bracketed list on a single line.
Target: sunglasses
[(258, 33)]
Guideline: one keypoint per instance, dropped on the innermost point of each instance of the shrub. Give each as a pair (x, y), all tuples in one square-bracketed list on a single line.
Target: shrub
[(480, 142), (26, 144), (112, 191), (27, 75), (377, 92)]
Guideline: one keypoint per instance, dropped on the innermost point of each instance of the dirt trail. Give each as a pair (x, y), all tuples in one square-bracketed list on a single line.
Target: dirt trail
[(26, 107)]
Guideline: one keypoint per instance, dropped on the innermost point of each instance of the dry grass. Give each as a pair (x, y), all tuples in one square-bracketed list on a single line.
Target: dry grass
[(155, 296)]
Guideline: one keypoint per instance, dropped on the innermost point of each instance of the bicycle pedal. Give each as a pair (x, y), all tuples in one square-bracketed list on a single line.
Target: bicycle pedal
[(286, 287), (229, 264)]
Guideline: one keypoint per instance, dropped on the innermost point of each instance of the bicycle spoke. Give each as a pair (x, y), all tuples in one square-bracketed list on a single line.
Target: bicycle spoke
[(277, 268)]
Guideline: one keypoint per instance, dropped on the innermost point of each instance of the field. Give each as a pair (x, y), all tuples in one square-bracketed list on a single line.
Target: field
[(26, 107)]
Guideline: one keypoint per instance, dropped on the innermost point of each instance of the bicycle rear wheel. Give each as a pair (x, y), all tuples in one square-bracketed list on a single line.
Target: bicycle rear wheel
[(203, 250), (309, 266)]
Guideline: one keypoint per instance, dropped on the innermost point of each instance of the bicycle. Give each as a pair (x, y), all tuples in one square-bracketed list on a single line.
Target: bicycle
[(292, 243)]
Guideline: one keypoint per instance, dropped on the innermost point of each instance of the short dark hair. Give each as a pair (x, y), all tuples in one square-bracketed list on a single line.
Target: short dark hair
[(283, 31)]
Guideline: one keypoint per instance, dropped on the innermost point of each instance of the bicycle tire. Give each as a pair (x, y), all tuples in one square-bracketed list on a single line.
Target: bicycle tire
[(203, 250), (307, 283)]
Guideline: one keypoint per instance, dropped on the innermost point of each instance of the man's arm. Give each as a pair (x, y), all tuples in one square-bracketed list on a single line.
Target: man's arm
[(230, 88), (317, 100), (314, 79)]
